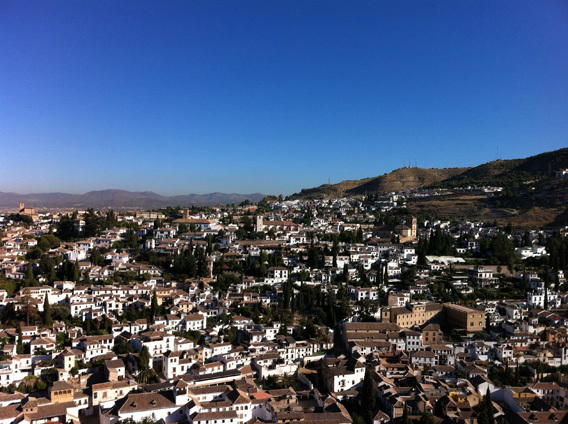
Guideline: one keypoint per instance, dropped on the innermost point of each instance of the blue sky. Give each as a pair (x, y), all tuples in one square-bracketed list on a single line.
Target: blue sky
[(263, 96)]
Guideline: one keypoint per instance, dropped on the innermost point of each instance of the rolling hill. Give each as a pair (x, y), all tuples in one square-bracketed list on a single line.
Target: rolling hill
[(510, 172), (405, 179), (496, 173), (397, 180)]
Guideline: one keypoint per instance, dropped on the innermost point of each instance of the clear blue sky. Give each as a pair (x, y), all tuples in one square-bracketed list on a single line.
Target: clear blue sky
[(264, 96)]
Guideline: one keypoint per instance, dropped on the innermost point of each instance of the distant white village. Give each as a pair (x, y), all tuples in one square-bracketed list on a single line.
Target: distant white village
[(283, 311)]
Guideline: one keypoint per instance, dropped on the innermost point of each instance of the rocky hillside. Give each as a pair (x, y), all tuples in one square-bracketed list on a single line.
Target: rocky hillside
[(496, 173), (405, 179), (510, 172), (397, 180)]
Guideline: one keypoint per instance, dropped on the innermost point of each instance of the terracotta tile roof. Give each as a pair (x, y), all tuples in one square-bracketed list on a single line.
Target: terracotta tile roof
[(139, 402), (10, 411)]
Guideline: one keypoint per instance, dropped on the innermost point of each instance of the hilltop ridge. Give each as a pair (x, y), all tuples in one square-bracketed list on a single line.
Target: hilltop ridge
[(509, 172), (398, 180)]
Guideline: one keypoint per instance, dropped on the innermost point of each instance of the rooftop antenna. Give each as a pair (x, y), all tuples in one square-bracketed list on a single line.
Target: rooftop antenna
[(328, 180), (404, 163)]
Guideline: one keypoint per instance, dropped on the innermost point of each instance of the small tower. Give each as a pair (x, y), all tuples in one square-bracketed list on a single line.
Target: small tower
[(210, 267), (185, 213), (21, 209), (413, 227), (259, 223)]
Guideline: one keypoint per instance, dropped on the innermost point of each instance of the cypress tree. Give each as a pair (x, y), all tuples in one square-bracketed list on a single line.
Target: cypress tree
[(330, 312), (52, 276), (360, 235), (405, 418), (20, 343), (30, 280), (76, 273), (485, 415), (47, 320), (488, 406), (144, 358), (300, 302), (286, 294), (368, 399), (153, 307)]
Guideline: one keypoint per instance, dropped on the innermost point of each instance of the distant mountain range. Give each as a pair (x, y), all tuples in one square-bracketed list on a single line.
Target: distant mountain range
[(119, 200), (511, 172), (495, 173)]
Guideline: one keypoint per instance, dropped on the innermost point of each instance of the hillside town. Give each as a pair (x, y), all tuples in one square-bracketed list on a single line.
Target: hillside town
[(281, 311)]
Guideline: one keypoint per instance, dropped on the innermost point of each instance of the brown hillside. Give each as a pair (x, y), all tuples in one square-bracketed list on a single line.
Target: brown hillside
[(405, 179), (331, 190), (399, 179), (503, 173), (479, 206), (511, 172)]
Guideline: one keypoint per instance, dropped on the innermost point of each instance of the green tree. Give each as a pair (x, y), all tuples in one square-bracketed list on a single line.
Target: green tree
[(47, 320), (153, 307), (146, 376), (427, 418), (368, 399), (144, 358), (51, 277), (30, 279), (405, 416), (121, 348), (86, 278), (110, 219), (35, 253), (43, 244), (485, 414), (145, 373), (54, 242), (76, 272), (20, 342), (286, 294), (97, 258), (502, 250), (357, 419), (92, 223), (66, 228), (422, 250), (359, 237)]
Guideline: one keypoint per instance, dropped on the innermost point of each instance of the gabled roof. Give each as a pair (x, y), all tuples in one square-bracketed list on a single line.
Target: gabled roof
[(139, 402)]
